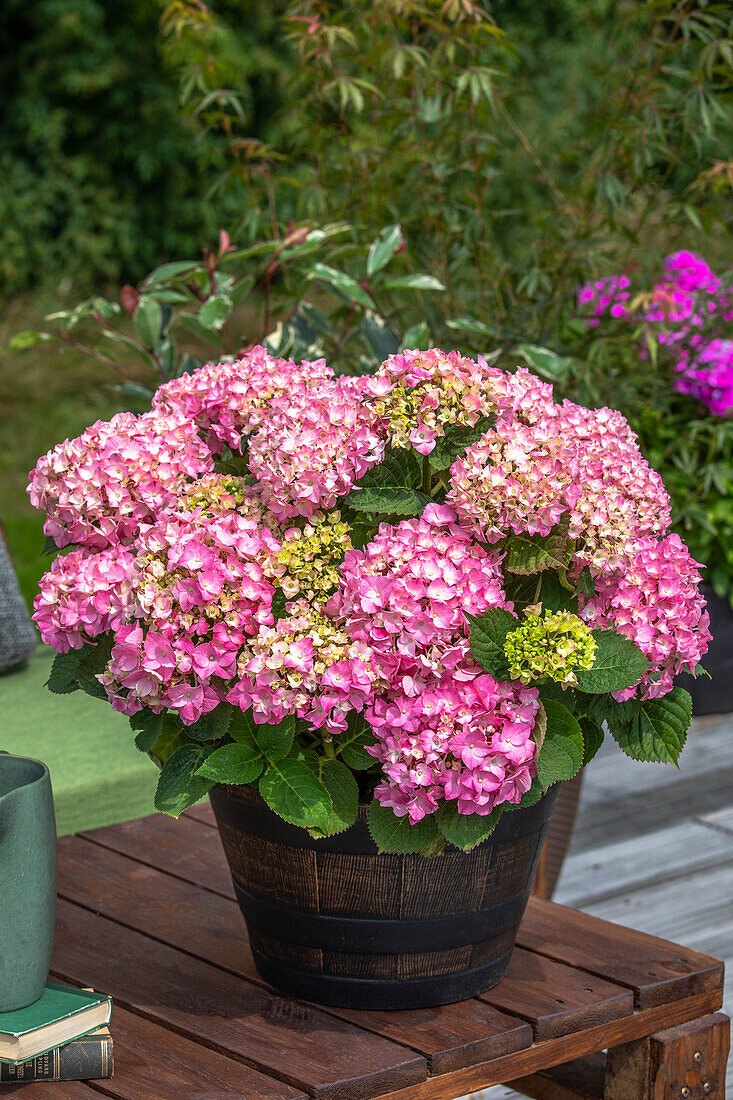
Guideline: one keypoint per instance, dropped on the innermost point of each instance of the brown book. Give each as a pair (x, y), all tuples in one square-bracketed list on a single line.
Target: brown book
[(90, 1058)]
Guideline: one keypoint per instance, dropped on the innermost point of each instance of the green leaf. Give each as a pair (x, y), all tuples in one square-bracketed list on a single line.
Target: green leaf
[(393, 500), (351, 745), (416, 338), (527, 554), (148, 727), (659, 730), (274, 742), (455, 441), (63, 677), (413, 282), (561, 755), (172, 270), (379, 336), (465, 831), (545, 362), (27, 339), (148, 321), (395, 834), (292, 791), (339, 280), (211, 726), (540, 727), (178, 784), (548, 689), (383, 249), (488, 634), (592, 738), (398, 469), (171, 736), (233, 764), (554, 596), (214, 311), (472, 327), (344, 792), (618, 664)]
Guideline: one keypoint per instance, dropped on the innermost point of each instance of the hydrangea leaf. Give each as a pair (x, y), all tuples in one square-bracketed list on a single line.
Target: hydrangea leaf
[(619, 664), (178, 784), (344, 792), (274, 741), (388, 500), (62, 678), (592, 738), (561, 755), (395, 834), (148, 727), (236, 764), (465, 831), (399, 468), (526, 554), (455, 441), (171, 736), (211, 726), (95, 658), (351, 745), (293, 792), (659, 730), (488, 634), (540, 727)]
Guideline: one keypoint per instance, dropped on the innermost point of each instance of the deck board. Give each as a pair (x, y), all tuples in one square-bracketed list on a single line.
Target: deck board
[(653, 849)]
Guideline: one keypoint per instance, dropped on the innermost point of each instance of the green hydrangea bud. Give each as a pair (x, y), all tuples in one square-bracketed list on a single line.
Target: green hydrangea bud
[(554, 644)]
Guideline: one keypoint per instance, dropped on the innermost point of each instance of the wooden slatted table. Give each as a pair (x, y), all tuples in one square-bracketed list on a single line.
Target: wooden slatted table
[(147, 913)]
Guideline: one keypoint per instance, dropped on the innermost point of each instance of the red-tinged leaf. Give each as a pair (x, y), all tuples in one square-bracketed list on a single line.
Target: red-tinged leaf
[(129, 298)]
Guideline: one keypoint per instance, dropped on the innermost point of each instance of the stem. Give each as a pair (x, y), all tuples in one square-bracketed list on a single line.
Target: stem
[(426, 480), (537, 590)]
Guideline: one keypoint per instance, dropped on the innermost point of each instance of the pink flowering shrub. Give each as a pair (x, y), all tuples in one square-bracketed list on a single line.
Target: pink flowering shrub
[(411, 584), (689, 309)]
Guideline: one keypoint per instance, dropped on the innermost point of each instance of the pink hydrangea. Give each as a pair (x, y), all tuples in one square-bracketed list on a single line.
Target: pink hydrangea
[(314, 448), (99, 488), (84, 595), (406, 595), (201, 588), (230, 400), (515, 479), (655, 601), (467, 738)]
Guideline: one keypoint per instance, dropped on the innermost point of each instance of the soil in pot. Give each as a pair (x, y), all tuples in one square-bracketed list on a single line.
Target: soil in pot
[(334, 921)]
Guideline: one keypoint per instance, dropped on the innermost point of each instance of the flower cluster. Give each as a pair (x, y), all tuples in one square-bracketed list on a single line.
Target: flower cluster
[(554, 644), (656, 601), (314, 448), (688, 308), (230, 400), (275, 592), (98, 489), (468, 739)]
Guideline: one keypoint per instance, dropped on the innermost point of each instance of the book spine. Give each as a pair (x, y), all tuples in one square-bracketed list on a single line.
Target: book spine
[(86, 1059)]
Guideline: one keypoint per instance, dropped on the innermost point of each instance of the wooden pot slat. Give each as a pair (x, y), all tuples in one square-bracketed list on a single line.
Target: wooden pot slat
[(324, 1056)]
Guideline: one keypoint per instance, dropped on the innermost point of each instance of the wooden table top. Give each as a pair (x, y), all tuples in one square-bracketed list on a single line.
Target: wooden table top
[(146, 913)]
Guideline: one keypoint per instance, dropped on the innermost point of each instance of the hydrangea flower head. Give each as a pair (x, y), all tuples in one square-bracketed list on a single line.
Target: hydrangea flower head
[(554, 644)]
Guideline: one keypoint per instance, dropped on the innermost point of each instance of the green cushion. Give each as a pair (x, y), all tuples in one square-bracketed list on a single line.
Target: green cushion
[(98, 775)]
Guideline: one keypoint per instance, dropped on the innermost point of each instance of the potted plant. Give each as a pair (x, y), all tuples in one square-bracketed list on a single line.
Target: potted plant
[(379, 619)]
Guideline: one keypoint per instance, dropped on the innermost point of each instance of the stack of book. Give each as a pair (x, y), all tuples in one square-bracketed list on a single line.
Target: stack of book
[(62, 1037)]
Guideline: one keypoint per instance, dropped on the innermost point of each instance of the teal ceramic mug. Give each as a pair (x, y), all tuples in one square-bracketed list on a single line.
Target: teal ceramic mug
[(27, 880)]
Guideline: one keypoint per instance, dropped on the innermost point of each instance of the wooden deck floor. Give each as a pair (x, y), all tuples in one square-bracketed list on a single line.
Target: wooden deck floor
[(653, 848)]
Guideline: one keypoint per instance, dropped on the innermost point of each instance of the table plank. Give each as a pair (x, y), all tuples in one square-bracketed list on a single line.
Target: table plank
[(185, 848), (325, 1057), (151, 1061), (212, 928), (554, 1051), (557, 999), (656, 970), (202, 811), (50, 1090)]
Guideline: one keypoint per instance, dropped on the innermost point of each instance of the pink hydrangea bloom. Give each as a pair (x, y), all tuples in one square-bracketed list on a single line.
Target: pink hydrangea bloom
[(230, 400), (96, 490), (515, 479), (83, 595), (311, 450), (406, 595), (467, 738), (655, 600)]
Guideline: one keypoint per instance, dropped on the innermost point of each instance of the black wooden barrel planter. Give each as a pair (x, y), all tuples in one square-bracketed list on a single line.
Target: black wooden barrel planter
[(334, 921)]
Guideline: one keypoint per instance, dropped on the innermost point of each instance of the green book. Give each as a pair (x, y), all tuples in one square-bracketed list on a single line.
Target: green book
[(59, 1016)]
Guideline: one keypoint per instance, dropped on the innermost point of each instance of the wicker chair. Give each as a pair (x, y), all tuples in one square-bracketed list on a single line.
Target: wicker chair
[(18, 637)]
